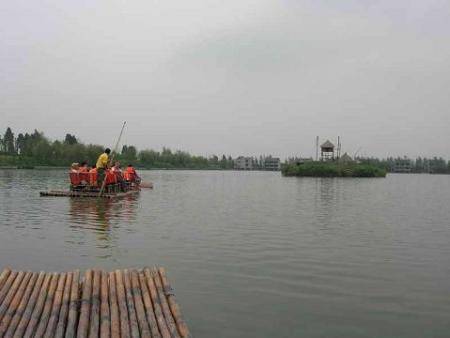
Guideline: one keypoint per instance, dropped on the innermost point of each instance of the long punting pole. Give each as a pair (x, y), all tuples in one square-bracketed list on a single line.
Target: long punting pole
[(112, 157)]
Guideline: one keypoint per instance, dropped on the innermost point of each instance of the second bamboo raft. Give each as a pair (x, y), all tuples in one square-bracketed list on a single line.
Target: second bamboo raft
[(122, 303)]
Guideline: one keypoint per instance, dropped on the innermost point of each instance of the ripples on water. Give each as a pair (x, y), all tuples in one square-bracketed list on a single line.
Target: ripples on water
[(254, 254)]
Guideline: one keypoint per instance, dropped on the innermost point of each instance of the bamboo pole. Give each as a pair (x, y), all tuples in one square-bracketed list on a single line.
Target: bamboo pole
[(62, 320), (174, 308), (105, 321), (32, 309), (95, 305), (45, 315), (83, 324), (11, 292), (130, 302), (163, 328), (4, 276), (73, 306), (15, 302), (140, 311), (20, 311), (115, 319), (164, 305), (148, 306), (8, 284), (122, 302), (112, 158), (56, 307)]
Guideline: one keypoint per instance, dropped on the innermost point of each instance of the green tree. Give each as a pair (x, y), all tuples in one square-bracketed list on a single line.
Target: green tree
[(70, 139), (128, 154), (8, 142)]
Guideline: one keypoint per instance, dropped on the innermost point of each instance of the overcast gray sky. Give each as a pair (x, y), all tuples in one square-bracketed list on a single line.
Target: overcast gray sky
[(234, 77)]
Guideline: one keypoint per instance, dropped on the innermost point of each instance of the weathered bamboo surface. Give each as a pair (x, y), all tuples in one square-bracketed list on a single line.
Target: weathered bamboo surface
[(121, 303), (86, 194)]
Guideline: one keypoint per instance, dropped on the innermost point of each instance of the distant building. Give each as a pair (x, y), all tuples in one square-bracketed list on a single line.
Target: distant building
[(327, 151), (403, 165), (243, 163), (271, 163)]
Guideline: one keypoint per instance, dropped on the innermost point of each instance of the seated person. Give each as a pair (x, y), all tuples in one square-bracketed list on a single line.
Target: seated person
[(84, 167), (93, 176), (118, 173), (131, 175), (75, 168)]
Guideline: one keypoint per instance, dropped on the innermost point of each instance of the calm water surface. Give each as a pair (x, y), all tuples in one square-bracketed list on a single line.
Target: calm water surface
[(253, 254)]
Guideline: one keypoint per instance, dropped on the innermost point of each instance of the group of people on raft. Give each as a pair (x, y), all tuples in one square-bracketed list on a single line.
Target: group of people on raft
[(83, 176)]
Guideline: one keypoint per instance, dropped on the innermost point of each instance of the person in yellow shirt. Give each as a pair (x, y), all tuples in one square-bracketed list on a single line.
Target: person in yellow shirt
[(102, 165)]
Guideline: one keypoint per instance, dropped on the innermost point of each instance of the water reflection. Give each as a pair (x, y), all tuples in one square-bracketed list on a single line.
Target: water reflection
[(102, 214)]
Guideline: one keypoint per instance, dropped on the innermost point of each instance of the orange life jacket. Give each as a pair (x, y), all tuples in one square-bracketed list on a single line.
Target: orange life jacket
[(129, 174), (110, 177), (93, 176), (74, 178)]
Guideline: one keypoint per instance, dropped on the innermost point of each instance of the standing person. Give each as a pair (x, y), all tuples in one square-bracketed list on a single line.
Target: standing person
[(102, 165)]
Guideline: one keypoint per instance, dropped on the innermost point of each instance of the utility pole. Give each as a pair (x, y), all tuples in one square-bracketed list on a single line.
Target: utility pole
[(317, 148)]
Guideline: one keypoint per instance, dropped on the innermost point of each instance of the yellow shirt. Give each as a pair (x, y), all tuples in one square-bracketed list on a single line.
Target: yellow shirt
[(102, 161)]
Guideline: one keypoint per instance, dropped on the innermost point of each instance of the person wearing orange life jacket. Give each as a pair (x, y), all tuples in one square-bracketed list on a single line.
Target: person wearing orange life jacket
[(75, 168), (84, 167), (93, 176), (131, 175), (118, 173)]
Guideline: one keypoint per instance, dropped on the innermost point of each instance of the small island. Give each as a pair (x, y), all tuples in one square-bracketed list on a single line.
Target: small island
[(332, 169), (332, 165)]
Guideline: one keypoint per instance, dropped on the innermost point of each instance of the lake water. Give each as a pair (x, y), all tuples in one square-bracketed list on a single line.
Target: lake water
[(253, 254)]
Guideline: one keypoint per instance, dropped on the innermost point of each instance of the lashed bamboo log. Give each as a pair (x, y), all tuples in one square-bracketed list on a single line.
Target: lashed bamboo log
[(122, 302), (34, 307), (115, 320), (20, 312), (11, 292), (165, 305), (105, 321), (134, 326), (73, 306), (10, 311), (140, 311), (83, 324), (148, 306), (95, 305), (62, 319), (56, 307), (45, 315), (128, 303), (8, 284), (174, 308), (163, 328), (4, 277)]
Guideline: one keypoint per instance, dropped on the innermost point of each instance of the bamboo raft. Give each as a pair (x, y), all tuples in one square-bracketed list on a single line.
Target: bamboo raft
[(122, 303), (88, 194)]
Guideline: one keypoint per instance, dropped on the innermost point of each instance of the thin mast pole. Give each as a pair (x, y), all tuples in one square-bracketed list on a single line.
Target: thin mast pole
[(112, 157)]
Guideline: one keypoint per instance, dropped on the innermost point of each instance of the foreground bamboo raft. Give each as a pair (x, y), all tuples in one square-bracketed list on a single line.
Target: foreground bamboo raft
[(122, 303)]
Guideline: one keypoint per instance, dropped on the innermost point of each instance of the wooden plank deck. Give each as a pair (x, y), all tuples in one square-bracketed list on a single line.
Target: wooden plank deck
[(83, 194), (122, 303)]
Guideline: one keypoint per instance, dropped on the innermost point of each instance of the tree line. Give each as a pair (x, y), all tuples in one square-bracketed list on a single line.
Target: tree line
[(35, 149), (434, 165)]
